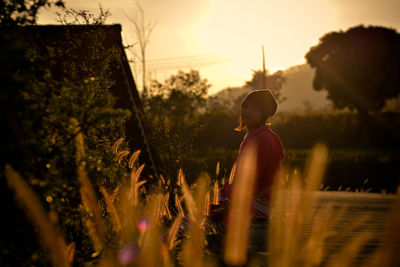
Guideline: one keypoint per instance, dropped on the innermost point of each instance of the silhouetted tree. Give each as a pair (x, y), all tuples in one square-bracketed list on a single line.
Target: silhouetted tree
[(172, 112), (22, 12), (142, 30), (359, 68), (274, 82)]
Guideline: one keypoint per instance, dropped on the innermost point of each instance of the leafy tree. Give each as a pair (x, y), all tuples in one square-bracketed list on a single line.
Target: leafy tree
[(274, 82), (359, 68), (22, 12), (172, 112)]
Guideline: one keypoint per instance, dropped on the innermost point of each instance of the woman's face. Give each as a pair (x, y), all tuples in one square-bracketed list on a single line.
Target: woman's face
[(251, 115)]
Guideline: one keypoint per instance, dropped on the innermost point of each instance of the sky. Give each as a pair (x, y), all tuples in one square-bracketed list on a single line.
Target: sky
[(223, 38)]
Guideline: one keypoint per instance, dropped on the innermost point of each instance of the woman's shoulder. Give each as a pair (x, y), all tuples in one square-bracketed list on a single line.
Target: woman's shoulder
[(271, 139), (267, 134)]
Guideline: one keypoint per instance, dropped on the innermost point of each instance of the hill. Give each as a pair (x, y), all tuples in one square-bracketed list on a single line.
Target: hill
[(297, 90)]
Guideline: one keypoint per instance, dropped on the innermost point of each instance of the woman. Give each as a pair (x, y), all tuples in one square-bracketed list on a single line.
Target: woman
[(257, 107)]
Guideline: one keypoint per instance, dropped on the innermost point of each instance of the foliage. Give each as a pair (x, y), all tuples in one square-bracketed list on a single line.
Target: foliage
[(366, 151), (21, 12), (71, 16), (359, 68), (172, 112), (341, 131), (52, 90), (360, 170)]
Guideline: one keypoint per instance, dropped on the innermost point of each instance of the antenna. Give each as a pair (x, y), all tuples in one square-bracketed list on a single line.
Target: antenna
[(264, 79)]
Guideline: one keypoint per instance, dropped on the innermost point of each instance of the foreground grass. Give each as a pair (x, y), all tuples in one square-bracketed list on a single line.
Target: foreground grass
[(143, 228)]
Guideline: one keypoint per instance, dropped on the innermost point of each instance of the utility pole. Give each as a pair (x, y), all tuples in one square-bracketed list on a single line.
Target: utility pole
[(264, 80)]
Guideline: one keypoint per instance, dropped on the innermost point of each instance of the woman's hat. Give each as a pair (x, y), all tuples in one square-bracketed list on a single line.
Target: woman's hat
[(264, 100)]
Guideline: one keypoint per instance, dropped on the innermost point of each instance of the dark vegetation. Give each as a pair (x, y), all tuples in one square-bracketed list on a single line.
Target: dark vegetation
[(358, 151), (53, 89), (359, 67)]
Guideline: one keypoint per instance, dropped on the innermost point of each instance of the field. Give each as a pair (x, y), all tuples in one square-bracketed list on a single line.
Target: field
[(136, 226), (366, 170)]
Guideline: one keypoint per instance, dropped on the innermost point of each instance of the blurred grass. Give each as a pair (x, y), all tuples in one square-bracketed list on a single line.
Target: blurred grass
[(143, 228)]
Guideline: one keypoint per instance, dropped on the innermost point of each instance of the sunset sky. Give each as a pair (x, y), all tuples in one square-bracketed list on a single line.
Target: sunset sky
[(222, 38)]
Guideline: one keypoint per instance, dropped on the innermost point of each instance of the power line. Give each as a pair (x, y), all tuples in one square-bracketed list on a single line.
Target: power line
[(183, 62), (191, 57)]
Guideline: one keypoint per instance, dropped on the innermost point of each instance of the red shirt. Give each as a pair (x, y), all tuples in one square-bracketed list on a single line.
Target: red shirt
[(268, 163)]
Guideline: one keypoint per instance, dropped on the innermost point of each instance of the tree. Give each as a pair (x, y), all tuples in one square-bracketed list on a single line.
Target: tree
[(172, 112), (142, 30), (359, 68), (21, 12), (274, 82)]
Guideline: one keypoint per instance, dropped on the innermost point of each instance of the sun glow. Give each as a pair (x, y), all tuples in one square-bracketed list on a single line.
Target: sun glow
[(236, 30), (231, 32)]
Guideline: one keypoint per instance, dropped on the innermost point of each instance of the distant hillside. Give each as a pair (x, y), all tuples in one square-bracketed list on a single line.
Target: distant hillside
[(299, 92), (297, 89), (230, 94)]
